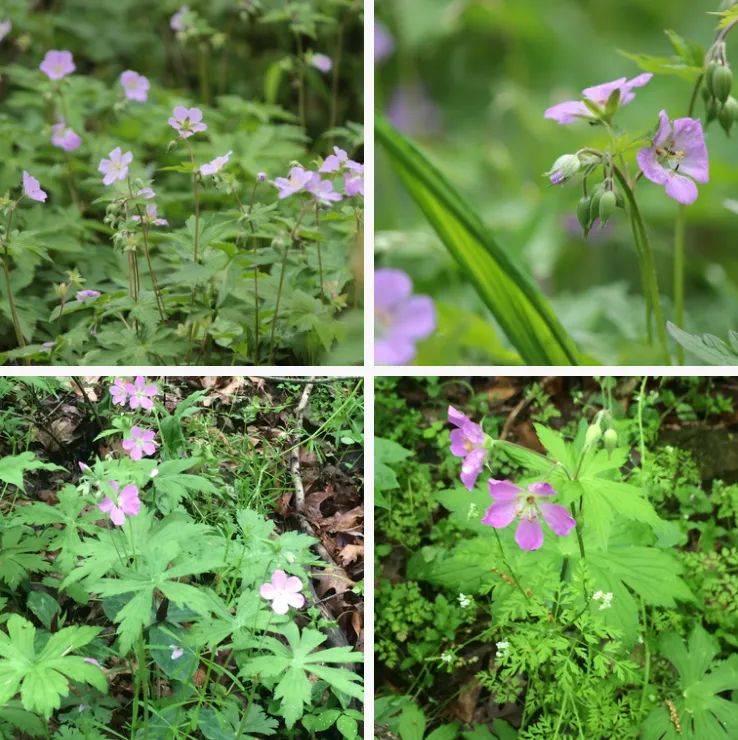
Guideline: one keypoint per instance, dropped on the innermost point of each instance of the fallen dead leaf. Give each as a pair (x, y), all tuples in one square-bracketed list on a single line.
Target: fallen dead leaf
[(350, 553)]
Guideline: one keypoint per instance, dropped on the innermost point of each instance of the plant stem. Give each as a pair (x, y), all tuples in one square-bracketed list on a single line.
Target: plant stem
[(679, 276), (6, 271), (507, 565), (647, 666), (197, 200), (301, 81), (336, 69), (293, 238), (320, 258), (639, 233)]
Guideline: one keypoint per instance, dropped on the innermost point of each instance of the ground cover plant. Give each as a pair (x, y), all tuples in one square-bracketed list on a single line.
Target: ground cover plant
[(556, 558), (559, 180), (182, 184), (180, 558)]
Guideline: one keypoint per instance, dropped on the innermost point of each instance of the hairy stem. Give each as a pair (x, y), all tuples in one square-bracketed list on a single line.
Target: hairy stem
[(679, 276)]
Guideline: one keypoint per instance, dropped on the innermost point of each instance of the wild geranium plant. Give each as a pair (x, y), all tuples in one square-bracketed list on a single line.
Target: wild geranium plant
[(572, 559), (198, 614), (674, 156), (165, 198)]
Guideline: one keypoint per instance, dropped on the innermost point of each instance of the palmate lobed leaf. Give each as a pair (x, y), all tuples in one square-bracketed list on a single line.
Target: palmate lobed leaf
[(516, 303)]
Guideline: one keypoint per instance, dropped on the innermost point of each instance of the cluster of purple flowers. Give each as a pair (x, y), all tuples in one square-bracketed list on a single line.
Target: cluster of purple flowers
[(677, 152), (302, 180), (511, 501)]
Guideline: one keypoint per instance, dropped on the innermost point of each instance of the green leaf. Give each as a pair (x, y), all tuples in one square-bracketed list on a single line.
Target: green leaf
[(44, 606), (12, 467), (516, 303), (703, 715), (708, 348), (664, 65), (412, 723), (44, 678), (691, 52), (348, 727), (386, 453), (20, 554), (444, 732)]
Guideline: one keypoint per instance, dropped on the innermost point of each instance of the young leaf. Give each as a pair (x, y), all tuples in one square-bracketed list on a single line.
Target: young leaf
[(708, 348)]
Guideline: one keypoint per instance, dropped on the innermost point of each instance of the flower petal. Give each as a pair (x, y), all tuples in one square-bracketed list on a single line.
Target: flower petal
[(106, 504), (458, 443), (293, 584), (504, 490), (117, 516), (267, 591), (651, 167), (682, 189), (456, 417), (689, 136), (280, 604), (500, 514), (279, 579), (414, 318), (296, 600), (529, 534), (568, 112), (542, 489), (558, 518), (391, 287)]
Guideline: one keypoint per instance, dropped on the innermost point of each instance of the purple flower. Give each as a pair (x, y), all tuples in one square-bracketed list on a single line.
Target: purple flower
[(384, 44), (177, 652), (57, 64), (151, 216), (321, 62), (119, 392), (297, 181), (514, 502), (334, 161), (177, 21), (32, 188), (187, 121), (400, 318), (599, 95), (141, 394), (84, 295), (63, 137), (283, 592), (356, 167), (140, 443), (48, 346), (413, 112), (135, 86), (322, 190), (678, 147), (354, 186), (146, 193), (261, 177), (467, 441), (92, 661), (127, 503), (5, 29), (216, 165), (115, 168)]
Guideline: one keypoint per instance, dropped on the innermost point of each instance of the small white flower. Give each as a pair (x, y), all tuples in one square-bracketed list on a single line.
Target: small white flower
[(447, 657), (289, 557), (465, 601), (503, 649), (154, 473), (605, 598), (473, 512), (177, 652), (652, 697), (640, 639)]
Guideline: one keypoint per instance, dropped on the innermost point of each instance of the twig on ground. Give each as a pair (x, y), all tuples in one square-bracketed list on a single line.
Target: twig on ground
[(524, 403)]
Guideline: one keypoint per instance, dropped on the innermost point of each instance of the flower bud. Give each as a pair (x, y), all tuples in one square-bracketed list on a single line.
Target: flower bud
[(594, 204), (610, 439), (709, 76), (564, 168), (729, 114), (607, 206), (713, 109), (594, 432), (722, 82), (583, 212), (705, 93)]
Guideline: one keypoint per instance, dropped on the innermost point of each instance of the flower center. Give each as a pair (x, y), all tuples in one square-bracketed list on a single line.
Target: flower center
[(383, 320), (528, 509), (59, 68)]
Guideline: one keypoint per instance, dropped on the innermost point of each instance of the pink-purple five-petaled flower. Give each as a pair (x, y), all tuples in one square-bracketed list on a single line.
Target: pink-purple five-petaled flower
[(678, 149), (283, 592), (126, 503), (141, 393), (467, 441), (187, 121), (525, 505), (140, 443)]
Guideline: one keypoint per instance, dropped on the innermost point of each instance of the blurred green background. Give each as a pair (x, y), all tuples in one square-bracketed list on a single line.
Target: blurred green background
[(475, 78)]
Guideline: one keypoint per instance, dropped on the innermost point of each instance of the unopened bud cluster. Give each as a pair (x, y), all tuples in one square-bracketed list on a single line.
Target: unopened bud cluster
[(600, 205), (717, 88)]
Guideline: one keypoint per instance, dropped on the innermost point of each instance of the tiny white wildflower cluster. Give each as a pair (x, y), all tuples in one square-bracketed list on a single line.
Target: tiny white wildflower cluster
[(473, 512), (503, 649), (605, 598), (465, 601), (447, 657)]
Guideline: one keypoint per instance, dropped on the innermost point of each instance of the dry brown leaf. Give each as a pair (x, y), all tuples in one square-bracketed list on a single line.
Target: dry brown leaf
[(350, 553), (312, 506), (346, 522), (466, 703), (333, 579)]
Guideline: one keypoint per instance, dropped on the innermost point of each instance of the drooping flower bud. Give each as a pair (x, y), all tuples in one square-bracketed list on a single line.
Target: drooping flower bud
[(722, 82), (564, 168), (610, 439), (709, 76), (729, 114), (583, 208), (594, 432), (608, 204), (594, 204)]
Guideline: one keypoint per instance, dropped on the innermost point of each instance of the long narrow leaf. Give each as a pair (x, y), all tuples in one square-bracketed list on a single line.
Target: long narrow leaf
[(512, 297)]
